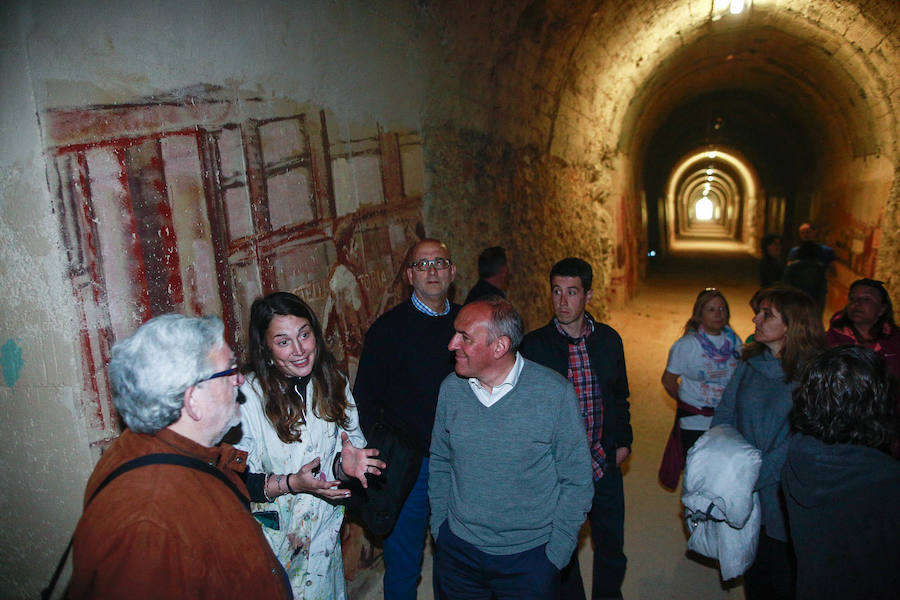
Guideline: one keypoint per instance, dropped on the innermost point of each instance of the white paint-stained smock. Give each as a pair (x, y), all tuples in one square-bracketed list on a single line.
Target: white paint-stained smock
[(308, 542)]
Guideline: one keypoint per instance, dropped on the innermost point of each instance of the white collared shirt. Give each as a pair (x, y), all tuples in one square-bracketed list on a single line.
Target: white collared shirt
[(500, 390)]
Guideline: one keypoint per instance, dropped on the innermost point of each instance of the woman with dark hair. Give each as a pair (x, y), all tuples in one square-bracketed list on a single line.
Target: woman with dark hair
[(299, 418), (757, 402), (703, 359), (841, 489), (771, 266), (868, 321)]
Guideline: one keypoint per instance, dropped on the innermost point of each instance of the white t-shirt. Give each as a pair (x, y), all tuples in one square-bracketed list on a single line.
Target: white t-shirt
[(702, 379)]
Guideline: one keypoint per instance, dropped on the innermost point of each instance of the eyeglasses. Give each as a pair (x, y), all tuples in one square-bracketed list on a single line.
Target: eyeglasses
[(438, 263), (225, 373)]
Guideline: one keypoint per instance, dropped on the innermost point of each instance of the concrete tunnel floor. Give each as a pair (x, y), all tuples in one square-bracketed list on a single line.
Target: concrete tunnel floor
[(655, 540)]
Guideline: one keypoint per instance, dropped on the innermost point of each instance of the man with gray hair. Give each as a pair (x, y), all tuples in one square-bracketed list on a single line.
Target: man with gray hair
[(510, 479), (166, 511)]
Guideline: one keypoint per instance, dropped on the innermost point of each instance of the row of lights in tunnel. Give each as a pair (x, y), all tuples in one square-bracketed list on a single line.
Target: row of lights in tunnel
[(704, 208)]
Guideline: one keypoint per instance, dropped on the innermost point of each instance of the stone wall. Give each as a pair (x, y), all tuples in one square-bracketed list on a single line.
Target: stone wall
[(484, 192), (185, 157), (521, 123)]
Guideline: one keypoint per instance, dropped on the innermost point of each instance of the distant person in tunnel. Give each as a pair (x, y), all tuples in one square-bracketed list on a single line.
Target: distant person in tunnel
[(493, 274), (771, 266), (808, 274), (703, 359), (591, 355), (757, 402), (824, 254)]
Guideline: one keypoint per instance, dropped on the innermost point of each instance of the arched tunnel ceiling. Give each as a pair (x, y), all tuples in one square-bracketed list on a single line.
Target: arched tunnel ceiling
[(772, 136), (617, 91), (790, 73), (594, 76)]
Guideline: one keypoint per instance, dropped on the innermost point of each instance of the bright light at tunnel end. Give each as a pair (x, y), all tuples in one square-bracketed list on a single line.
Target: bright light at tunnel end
[(704, 209), (735, 7)]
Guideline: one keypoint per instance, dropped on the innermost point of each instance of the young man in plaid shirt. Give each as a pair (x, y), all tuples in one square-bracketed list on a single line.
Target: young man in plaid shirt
[(590, 355)]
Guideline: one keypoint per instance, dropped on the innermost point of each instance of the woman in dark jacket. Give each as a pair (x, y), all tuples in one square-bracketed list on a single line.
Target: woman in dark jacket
[(841, 489)]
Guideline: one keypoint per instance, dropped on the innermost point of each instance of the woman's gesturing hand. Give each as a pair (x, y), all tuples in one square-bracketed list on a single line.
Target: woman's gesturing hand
[(307, 481), (356, 462)]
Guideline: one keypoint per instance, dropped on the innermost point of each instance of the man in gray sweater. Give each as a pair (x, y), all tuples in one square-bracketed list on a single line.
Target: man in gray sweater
[(510, 479)]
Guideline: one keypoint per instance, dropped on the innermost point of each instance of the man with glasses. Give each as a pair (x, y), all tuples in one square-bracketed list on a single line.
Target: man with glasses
[(403, 362), (590, 354), (178, 528)]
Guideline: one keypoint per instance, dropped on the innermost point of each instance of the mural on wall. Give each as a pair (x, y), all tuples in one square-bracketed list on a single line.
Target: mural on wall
[(197, 204)]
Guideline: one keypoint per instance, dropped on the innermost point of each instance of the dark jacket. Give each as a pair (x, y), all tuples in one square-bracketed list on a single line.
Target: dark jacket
[(483, 288), (546, 346), (770, 271), (808, 276), (843, 504)]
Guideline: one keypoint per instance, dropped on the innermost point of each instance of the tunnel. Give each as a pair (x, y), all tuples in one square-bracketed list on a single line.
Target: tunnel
[(785, 106), (187, 157)]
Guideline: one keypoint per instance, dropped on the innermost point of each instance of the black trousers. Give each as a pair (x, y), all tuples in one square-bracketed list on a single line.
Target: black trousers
[(607, 519), (688, 438), (773, 575)]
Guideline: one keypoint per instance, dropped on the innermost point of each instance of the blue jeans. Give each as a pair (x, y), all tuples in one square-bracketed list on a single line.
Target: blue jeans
[(463, 572), (405, 546)]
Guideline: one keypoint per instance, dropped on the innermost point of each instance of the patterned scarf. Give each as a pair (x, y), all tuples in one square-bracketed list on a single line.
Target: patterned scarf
[(718, 355)]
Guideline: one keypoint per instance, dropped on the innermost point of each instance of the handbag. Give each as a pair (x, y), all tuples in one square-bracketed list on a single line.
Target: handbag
[(673, 456), (379, 504)]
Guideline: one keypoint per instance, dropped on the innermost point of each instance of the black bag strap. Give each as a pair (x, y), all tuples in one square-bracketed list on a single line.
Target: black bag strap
[(161, 458), (166, 458)]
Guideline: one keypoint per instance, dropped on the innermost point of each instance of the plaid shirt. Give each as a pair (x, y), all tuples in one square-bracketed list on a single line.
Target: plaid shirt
[(587, 389), (422, 307)]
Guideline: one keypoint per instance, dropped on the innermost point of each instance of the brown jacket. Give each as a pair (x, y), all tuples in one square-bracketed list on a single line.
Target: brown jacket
[(167, 531)]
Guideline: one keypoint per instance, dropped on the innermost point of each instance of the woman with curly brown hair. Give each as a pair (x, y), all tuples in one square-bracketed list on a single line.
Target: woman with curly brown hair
[(299, 418), (757, 402), (841, 488)]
